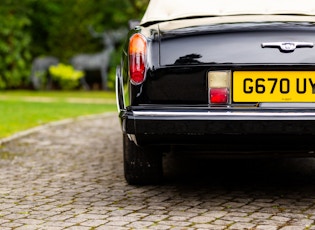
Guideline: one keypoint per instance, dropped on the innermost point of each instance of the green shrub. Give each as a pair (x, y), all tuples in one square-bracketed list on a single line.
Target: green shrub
[(66, 76)]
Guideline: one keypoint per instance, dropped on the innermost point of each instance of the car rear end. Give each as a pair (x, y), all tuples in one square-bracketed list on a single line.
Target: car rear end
[(217, 84), (235, 84)]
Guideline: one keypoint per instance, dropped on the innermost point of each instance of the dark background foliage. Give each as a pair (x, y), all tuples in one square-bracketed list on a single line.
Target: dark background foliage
[(32, 28)]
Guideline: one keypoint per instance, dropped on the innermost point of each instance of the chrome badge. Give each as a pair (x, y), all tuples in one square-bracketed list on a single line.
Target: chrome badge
[(287, 46)]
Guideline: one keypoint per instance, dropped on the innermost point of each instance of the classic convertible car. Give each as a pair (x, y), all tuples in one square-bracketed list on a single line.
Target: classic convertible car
[(223, 77)]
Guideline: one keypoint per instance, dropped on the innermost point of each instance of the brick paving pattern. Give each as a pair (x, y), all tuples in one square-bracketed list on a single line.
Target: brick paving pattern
[(71, 177)]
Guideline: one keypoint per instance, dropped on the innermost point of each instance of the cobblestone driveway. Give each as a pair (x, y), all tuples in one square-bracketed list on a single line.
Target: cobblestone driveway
[(71, 177)]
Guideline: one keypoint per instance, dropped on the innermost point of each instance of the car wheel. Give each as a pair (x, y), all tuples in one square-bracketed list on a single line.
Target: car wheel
[(141, 165)]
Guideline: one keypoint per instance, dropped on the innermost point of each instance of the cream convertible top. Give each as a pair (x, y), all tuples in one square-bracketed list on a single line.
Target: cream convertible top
[(165, 10)]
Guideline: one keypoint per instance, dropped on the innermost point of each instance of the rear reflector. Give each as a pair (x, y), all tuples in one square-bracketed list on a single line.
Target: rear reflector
[(219, 96), (137, 58), (219, 87)]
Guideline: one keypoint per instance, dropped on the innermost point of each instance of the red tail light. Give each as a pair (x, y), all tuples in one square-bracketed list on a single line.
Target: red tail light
[(137, 58), (219, 96)]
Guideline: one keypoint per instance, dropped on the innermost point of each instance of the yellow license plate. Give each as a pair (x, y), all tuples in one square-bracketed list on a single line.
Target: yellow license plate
[(273, 86)]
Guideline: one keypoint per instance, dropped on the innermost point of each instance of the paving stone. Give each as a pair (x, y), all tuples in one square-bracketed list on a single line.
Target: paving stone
[(202, 219), (94, 223), (215, 214), (11, 225), (117, 223), (237, 219), (259, 215), (245, 226), (156, 218), (78, 227), (302, 222), (175, 223), (223, 222), (266, 227), (292, 227), (159, 227), (139, 224), (208, 226), (30, 221), (106, 227), (280, 218)]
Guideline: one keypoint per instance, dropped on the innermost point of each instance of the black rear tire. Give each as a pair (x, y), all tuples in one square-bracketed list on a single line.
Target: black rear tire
[(142, 165)]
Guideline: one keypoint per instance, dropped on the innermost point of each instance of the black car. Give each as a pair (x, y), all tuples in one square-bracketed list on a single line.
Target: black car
[(222, 77)]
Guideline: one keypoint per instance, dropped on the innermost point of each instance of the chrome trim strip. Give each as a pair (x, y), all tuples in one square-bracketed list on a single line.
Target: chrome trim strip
[(120, 100), (226, 115)]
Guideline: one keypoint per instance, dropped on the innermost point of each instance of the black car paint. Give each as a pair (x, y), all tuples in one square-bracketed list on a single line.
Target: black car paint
[(181, 60)]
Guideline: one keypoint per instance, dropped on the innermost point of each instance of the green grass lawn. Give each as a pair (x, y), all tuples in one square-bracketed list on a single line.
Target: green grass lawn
[(21, 110)]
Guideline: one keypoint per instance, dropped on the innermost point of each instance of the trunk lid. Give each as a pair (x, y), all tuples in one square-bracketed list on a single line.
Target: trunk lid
[(236, 44)]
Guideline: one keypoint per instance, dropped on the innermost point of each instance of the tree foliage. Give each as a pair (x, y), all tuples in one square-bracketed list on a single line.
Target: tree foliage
[(61, 27), (32, 28), (14, 43)]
